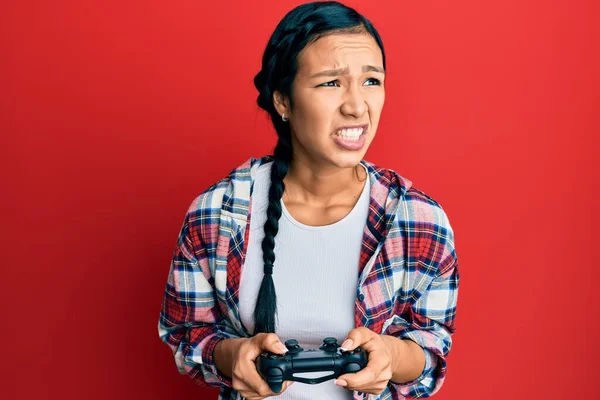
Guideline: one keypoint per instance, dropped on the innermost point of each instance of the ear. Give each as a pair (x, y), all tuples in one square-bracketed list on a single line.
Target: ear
[(281, 103)]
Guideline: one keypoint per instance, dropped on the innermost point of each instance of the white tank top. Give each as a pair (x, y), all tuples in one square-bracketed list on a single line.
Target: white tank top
[(315, 276)]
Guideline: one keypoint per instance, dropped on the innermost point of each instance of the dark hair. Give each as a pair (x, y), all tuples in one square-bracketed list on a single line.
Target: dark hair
[(300, 27)]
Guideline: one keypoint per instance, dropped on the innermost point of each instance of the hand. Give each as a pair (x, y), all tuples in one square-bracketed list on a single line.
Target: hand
[(374, 377), (245, 377)]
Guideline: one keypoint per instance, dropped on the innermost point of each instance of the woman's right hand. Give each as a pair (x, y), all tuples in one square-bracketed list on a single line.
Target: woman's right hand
[(245, 377)]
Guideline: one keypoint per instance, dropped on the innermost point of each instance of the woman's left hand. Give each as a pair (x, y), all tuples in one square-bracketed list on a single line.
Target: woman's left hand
[(374, 377)]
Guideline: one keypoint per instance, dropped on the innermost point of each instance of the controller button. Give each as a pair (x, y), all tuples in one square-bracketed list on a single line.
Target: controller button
[(292, 346), (330, 341), (275, 373), (329, 345), (352, 367)]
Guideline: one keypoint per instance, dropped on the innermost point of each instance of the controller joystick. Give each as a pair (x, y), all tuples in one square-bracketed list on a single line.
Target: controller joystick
[(292, 346), (329, 345)]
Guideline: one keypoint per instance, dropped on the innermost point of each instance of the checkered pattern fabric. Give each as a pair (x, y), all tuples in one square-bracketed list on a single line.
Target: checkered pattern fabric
[(408, 277)]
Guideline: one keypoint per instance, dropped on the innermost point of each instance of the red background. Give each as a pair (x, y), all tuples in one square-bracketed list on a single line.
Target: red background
[(116, 114)]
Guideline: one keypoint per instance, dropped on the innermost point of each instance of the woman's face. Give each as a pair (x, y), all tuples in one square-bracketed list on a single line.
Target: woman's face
[(339, 84)]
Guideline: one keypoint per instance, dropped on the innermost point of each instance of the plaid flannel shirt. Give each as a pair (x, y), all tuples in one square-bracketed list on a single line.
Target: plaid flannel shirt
[(407, 286)]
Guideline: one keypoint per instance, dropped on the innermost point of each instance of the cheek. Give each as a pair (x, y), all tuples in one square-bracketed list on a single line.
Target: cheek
[(375, 104), (317, 111), (323, 104)]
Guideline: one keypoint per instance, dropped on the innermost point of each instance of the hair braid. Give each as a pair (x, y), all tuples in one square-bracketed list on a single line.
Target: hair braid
[(301, 26), (266, 305)]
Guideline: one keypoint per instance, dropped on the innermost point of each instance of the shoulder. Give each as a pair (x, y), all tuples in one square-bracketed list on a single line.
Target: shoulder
[(414, 203), (229, 188), (421, 218), (229, 196), (422, 207)]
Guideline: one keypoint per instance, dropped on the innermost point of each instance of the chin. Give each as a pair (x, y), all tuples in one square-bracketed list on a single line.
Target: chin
[(348, 159)]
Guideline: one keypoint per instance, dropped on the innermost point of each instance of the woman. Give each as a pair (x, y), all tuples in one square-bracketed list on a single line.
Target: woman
[(342, 247)]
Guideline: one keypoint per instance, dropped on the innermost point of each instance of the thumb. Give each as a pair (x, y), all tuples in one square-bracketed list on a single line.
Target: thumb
[(271, 343), (356, 337)]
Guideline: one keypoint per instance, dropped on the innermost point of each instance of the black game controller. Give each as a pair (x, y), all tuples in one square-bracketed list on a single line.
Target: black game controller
[(276, 368)]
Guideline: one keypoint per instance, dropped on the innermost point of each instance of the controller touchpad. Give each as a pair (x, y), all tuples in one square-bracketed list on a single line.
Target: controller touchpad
[(316, 374)]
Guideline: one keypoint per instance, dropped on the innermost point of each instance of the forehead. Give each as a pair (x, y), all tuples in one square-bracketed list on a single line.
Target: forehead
[(339, 50)]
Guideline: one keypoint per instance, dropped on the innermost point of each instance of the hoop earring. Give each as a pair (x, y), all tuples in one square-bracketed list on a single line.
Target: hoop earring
[(283, 118)]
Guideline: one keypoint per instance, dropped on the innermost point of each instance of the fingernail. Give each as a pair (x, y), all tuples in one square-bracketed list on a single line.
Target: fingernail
[(282, 348), (346, 344), (340, 382)]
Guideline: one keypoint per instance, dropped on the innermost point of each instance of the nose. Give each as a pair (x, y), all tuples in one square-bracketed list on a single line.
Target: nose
[(354, 102)]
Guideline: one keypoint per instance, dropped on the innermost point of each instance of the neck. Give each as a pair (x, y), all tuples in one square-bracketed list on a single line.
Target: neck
[(322, 186)]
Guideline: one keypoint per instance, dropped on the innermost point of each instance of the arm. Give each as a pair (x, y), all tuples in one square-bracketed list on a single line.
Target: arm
[(430, 321), (224, 354), (189, 319), (409, 359)]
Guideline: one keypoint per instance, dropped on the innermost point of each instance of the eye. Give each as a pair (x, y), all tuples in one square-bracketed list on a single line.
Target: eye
[(376, 81), (326, 84)]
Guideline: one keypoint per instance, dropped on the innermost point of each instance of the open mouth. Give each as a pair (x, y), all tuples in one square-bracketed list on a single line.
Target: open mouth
[(351, 138), (350, 135)]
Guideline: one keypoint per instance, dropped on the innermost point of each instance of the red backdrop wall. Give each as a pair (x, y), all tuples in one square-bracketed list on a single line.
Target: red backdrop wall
[(116, 114)]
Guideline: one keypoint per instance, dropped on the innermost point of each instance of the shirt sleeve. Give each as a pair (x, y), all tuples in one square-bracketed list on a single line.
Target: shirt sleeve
[(431, 319), (189, 321)]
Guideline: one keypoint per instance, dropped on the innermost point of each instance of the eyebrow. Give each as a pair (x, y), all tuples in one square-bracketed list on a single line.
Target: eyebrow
[(343, 71)]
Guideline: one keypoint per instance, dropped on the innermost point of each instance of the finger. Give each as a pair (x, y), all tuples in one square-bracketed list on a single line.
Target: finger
[(361, 378), (372, 345), (253, 397), (258, 384), (249, 396), (374, 388), (244, 390), (377, 361), (371, 387), (272, 343), (247, 372), (356, 337), (286, 384)]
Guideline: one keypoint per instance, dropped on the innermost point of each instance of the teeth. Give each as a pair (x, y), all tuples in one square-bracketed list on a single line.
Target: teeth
[(349, 138), (350, 133)]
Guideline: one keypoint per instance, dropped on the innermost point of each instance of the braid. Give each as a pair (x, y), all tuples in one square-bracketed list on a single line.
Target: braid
[(301, 26), (266, 304)]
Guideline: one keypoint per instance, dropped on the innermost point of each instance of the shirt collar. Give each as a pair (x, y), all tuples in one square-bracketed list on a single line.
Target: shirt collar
[(386, 191)]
